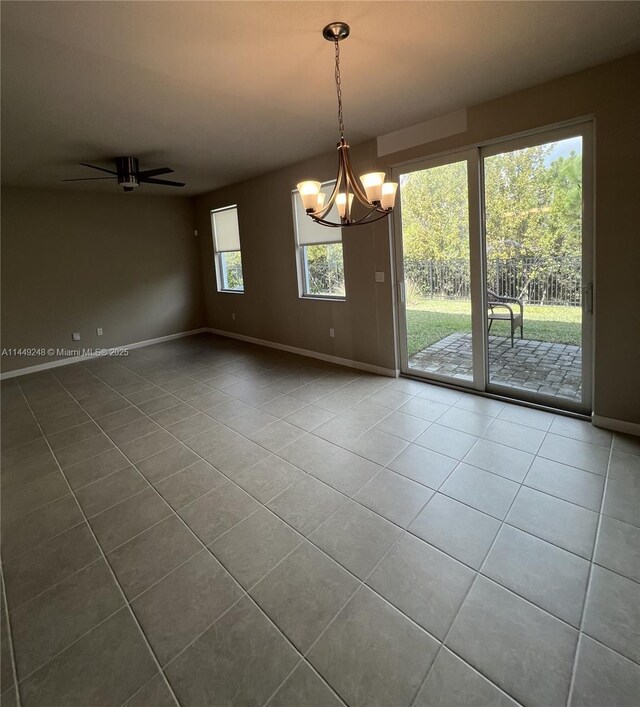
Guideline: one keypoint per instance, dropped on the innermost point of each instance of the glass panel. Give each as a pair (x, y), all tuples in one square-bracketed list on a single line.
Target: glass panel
[(533, 202), (323, 270), (231, 270), (435, 242)]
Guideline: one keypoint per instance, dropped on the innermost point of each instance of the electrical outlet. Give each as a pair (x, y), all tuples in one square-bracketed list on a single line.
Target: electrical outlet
[(99, 331), (332, 332), (76, 336), (195, 232), (379, 277), (233, 316)]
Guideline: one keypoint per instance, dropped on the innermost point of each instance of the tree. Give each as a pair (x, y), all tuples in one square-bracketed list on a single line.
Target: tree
[(435, 224), (533, 220), (533, 207)]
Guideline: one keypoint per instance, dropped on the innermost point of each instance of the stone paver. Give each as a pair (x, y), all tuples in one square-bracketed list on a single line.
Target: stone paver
[(539, 366)]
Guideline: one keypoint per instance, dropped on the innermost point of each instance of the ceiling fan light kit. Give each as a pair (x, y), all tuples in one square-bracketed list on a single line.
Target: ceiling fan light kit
[(128, 174), (375, 194)]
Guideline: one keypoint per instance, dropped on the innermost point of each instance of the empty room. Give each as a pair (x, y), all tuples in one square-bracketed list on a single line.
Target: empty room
[(319, 380)]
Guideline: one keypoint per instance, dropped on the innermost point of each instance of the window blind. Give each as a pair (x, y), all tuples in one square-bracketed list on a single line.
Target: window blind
[(225, 229), (308, 232)]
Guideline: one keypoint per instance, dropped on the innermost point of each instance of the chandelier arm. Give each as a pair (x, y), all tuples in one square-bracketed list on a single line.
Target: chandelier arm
[(357, 189), (366, 219), (360, 222), (347, 185), (324, 222), (332, 198)]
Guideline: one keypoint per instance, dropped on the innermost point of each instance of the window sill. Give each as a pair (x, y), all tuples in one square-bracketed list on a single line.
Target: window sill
[(323, 298), (230, 292)]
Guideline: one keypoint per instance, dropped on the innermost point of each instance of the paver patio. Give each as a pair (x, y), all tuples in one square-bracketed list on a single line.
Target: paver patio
[(540, 366)]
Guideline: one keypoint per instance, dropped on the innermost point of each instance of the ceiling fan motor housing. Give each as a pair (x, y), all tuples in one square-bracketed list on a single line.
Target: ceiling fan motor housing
[(127, 172)]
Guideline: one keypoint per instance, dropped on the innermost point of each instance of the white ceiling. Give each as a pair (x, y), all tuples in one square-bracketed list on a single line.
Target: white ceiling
[(222, 91)]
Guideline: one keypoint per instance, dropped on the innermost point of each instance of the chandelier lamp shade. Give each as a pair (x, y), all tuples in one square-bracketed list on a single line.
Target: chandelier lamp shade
[(376, 195)]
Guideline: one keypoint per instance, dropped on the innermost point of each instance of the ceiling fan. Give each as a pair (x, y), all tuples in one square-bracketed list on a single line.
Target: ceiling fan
[(128, 174)]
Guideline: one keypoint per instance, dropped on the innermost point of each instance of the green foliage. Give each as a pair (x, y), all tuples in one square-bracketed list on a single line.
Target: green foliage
[(533, 207), (324, 269), (232, 266), (435, 223), (429, 321)]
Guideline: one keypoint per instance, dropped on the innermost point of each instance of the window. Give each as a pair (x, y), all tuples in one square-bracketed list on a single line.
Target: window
[(226, 246), (320, 262)]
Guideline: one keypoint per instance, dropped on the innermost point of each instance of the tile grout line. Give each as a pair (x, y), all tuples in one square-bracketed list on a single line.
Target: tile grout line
[(184, 442), (75, 640), (244, 593), (14, 670), (329, 485), (56, 584), (578, 630), (583, 613), (345, 411), (468, 592), (391, 411), (113, 575), (362, 583)]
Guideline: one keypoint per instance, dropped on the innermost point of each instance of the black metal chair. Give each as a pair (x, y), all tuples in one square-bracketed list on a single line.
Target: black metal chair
[(505, 312)]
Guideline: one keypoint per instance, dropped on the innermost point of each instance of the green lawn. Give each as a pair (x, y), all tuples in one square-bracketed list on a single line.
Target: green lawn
[(429, 321)]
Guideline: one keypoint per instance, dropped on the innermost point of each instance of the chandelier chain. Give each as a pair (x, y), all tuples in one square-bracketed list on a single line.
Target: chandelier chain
[(339, 90), (376, 195)]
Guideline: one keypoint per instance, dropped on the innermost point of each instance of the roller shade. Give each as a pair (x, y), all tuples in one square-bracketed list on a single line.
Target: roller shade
[(225, 229), (308, 232)]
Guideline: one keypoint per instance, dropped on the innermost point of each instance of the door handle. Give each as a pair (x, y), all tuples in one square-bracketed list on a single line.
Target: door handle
[(587, 298), (401, 290)]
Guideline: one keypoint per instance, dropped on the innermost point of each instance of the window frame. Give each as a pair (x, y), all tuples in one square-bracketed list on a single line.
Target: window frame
[(218, 256), (301, 257)]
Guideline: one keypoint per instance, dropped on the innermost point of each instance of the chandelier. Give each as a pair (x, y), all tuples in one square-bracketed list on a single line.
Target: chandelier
[(376, 195)]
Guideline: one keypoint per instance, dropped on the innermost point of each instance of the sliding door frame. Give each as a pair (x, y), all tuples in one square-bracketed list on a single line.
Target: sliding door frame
[(474, 155), (470, 157), (542, 137)]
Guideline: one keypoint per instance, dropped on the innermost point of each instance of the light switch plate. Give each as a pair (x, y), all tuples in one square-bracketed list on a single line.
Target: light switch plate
[(99, 331), (379, 277)]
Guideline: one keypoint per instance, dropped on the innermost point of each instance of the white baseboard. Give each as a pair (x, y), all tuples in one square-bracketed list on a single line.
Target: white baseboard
[(610, 423), (360, 365), (77, 359)]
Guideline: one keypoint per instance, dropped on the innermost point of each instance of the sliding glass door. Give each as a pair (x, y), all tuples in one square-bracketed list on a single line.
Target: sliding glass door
[(494, 261), (538, 291), (437, 273)]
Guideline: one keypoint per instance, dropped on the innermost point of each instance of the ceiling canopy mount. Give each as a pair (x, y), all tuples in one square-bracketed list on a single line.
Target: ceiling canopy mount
[(336, 31)]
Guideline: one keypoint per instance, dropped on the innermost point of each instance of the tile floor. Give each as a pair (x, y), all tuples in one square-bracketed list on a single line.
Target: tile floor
[(205, 522)]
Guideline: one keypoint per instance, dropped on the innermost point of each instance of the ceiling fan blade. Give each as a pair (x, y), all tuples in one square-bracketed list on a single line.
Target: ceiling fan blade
[(154, 172), (86, 179), (160, 181), (102, 169)]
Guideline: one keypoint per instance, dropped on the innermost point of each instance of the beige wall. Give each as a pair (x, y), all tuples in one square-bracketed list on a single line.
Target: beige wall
[(270, 308), (75, 261), (364, 325)]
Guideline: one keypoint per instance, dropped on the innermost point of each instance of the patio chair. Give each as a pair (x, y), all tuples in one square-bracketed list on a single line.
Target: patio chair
[(505, 312)]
